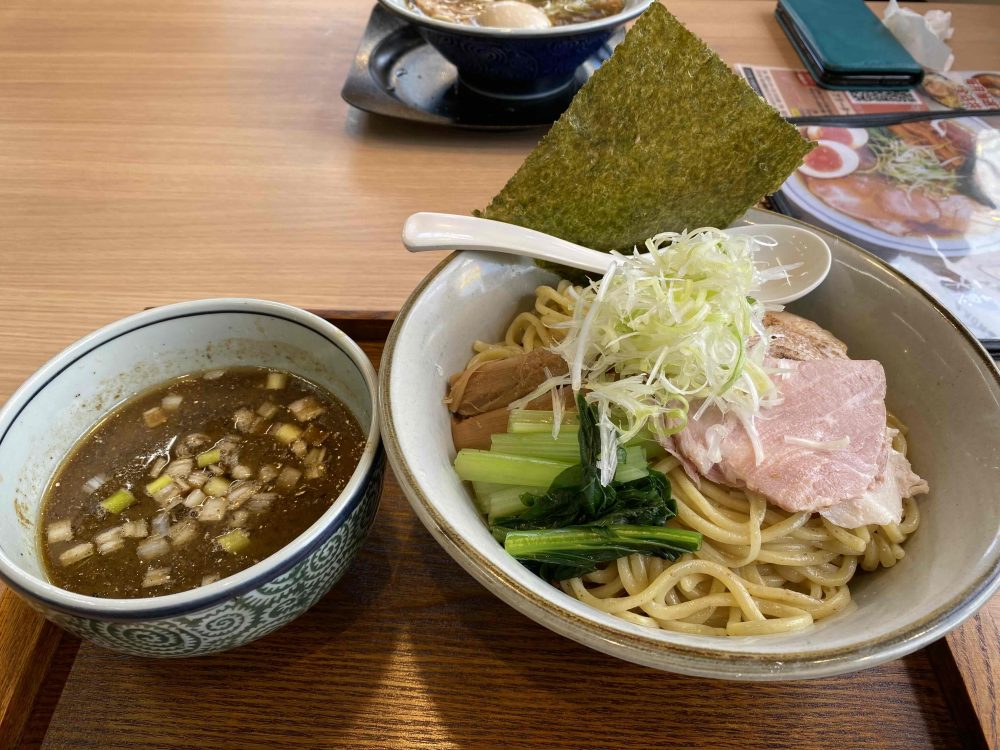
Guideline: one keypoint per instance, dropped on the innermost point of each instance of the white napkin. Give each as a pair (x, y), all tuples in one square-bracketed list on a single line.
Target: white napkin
[(923, 36)]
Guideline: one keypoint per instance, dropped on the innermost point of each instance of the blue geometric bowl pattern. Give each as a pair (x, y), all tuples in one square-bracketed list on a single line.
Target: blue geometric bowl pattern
[(234, 622), (515, 65)]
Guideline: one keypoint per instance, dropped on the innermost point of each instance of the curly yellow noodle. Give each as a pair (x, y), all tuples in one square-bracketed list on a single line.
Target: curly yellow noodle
[(601, 576), (530, 330), (761, 570), (911, 516), (766, 572)]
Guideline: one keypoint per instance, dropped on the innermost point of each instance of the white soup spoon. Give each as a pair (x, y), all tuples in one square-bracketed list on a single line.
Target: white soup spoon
[(805, 254)]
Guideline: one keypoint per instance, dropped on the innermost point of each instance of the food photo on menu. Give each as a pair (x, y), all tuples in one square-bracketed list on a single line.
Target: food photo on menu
[(922, 193), (563, 357), (925, 195)]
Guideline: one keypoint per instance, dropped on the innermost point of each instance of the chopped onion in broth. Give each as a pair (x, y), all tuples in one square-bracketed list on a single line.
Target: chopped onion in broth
[(192, 482)]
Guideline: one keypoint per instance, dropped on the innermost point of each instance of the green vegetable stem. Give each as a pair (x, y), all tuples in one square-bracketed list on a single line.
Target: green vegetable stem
[(575, 550), (578, 523)]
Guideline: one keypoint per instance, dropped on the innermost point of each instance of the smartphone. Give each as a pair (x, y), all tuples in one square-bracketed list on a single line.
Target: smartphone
[(845, 46)]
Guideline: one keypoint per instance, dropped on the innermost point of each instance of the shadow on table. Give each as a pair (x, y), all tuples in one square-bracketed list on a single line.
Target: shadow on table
[(366, 127)]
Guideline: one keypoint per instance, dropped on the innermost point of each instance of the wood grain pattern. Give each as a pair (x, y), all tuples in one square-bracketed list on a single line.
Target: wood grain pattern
[(24, 662), (968, 661), (150, 154), (156, 152), (138, 138), (37, 724)]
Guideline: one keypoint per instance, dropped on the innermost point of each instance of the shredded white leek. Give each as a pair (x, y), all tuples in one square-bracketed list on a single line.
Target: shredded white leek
[(608, 462), (666, 329), (95, 483), (556, 381), (714, 436), (557, 407)]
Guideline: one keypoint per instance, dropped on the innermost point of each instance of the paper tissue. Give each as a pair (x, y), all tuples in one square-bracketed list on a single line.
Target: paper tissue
[(923, 36)]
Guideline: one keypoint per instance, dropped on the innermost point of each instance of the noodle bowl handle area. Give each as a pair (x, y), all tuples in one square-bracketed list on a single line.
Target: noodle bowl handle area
[(803, 256)]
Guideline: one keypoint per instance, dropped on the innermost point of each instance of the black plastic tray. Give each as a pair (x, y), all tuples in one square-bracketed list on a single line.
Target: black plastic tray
[(397, 74)]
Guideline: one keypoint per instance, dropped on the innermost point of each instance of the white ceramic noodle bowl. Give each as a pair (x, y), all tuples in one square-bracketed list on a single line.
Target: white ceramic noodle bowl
[(940, 382), (805, 254)]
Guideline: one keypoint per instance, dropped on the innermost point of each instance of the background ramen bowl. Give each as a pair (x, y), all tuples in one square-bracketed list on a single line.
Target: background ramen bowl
[(59, 403), (516, 62), (941, 384)]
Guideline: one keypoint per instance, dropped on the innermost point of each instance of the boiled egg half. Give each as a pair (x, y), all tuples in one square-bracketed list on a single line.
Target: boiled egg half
[(853, 137), (830, 159), (513, 14)]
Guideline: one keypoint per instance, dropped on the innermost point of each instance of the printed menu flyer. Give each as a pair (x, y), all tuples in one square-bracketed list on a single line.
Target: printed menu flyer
[(924, 196), (795, 94)]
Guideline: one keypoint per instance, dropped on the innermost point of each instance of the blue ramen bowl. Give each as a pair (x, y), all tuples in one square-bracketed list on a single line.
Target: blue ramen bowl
[(61, 402), (516, 63)]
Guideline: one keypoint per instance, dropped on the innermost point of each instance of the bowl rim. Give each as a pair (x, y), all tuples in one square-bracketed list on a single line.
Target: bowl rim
[(723, 663), (399, 8), (198, 599)]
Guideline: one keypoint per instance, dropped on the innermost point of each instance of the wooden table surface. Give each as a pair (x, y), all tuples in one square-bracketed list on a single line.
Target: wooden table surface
[(156, 152)]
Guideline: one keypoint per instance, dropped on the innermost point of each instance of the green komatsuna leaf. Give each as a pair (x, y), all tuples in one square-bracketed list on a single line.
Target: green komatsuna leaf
[(594, 497), (576, 497), (664, 137)]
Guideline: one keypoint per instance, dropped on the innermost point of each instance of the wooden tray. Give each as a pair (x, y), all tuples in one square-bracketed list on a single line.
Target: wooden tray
[(409, 651)]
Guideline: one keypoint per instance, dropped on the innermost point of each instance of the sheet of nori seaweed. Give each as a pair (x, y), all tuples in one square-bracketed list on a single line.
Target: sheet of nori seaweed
[(664, 137)]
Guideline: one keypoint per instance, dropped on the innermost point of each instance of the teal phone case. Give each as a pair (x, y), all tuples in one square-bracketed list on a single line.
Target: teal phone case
[(844, 45)]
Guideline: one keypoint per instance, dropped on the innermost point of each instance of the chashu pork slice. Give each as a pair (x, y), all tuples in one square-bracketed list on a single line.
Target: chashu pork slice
[(496, 384), (825, 442), (793, 337), (883, 502)]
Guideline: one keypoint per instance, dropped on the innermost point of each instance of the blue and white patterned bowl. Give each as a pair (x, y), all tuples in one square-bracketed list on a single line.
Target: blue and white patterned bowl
[(516, 63), (59, 403)]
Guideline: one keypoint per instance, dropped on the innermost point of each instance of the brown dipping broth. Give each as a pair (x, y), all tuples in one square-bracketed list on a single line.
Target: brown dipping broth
[(261, 513), (559, 12)]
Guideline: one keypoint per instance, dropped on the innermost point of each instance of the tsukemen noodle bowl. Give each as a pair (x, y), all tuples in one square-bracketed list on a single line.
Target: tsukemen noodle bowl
[(668, 449), (741, 574), (191, 478)]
